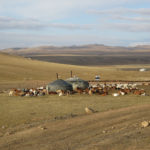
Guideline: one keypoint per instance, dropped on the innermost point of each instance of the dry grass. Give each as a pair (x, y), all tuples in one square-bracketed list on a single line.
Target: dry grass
[(114, 130), (18, 71), (18, 113), (28, 110)]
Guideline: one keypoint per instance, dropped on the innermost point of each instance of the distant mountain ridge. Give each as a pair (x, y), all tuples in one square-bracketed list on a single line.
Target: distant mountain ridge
[(75, 49), (86, 55)]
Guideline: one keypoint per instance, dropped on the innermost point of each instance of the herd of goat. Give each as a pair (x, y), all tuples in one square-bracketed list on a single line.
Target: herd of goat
[(103, 89)]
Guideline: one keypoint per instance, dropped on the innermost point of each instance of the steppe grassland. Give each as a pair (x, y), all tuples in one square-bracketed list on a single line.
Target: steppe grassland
[(22, 111), (15, 69), (18, 111)]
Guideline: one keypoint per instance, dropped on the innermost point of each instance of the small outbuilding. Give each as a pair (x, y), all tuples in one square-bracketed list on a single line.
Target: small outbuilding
[(142, 69), (59, 85), (78, 83)]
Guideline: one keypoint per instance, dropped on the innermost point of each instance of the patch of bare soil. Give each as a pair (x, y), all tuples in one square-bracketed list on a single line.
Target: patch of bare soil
[(112, 130)]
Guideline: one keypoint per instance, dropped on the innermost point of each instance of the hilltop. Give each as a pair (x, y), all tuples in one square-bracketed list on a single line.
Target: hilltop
[(86, 55), (78, 50)]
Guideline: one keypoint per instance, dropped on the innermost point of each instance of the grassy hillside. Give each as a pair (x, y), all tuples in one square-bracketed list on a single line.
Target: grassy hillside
[(86, 55), (22, 118), (16, 69), (82, 50)]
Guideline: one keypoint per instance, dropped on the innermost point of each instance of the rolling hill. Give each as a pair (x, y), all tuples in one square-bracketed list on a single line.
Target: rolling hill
[(87, 55), (17, 71), (14, 68), (53, 122), (78, 50)]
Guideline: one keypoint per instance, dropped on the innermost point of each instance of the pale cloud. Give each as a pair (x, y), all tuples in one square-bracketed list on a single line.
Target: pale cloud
[(70, 17), (132, 20), (136, 19), (127, 27), (12, 23), (126, 11), (71, 26), (45, 9), (30, 24), (55, 9), (141, 11), (139, 44)]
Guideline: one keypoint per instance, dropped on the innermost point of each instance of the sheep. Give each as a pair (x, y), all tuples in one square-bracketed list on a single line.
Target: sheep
[(60, 92), (11, 93), (115, 94)]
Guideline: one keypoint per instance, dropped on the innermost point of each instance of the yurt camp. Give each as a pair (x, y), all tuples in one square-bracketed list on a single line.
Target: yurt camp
[(78, 83), (59, 85)]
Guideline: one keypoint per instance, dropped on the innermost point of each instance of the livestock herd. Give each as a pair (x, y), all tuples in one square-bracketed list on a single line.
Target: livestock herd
[(116, 89), (103, 89), (28, 92)]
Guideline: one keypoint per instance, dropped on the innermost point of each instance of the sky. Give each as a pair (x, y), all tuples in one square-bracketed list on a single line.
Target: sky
[(30, 23)]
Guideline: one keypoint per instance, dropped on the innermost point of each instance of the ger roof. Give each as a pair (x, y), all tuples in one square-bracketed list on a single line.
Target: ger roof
[(59, 84), (75, 79)]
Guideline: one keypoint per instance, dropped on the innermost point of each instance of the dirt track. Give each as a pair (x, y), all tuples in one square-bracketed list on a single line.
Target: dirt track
[(111, 130)]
